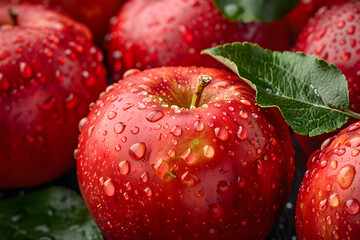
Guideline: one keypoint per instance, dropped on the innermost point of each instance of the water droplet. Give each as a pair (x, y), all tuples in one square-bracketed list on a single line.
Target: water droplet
[(352, 206), (90, 131), (242, 134), (209, 151), (130, 72), (25, 70), (243, 114), (241, 182), (190, 179), (260, 167), (333, 164), (329, 220), (199, 193), (335, 235), (137, 151), (355, 152), (109, 188), (345, 176), (345, 57), (124, 167), (82, 123), (126, 196), (176, 131), (351, 30), (212, 232), (199, 126), (171, 153), (273, 141), (215, 210), (127, 106), (223, 187), (189, 157), (334, 200), (144, 177), (148, 192), (154, 116), (111, 115), (48, 104), (117, 148), (341, 24), (71, 101), (323, 205), (221, 133), (135, 130), (119, 127), (186, 33), (4, 82)]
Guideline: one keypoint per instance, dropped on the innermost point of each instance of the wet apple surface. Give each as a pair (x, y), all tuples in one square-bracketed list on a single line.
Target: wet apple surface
[(151, 164)]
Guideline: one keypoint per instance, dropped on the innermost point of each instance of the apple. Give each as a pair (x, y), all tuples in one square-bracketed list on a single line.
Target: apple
[(148, 34), (328, 204), (49, 73), (184, 153), (332, 35), (95, 14)]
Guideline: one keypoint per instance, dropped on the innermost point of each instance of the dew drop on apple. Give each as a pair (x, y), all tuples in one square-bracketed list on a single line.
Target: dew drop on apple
[(186, 33), (355, 152), (223, 187), (329, 220), (241, 182), (128, 186), (25, 70), (4, 82), (71, 101), (215, 210), (144, 177), (199, 193), (124, 167), (154, 116), (209, 151), (90, 131), (345, 176), (176, 131), (111, 115), (212, 232), (260, 167), (82, 123), (352, 206), (127, 106), (48, 104), (334, 200), (76, 151), (221, 133), (242, 133), (189, 179), (323, 205), (126, 196), (333, 164), (171, 153), (118, 148), (109, 188), (134, 130), (198, 126), (148, 192), (137, 150), (119, 127), (189, 157)]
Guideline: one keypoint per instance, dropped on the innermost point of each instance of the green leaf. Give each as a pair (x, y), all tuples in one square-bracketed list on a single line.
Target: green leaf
[(255, 10), (54, 213), (311, 94)]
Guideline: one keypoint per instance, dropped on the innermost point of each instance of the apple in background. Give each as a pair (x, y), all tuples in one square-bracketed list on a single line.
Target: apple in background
[(328, 204), (173, 32), (333, 34), (49, 73), (301, 14), (94, 13), (151, 165)]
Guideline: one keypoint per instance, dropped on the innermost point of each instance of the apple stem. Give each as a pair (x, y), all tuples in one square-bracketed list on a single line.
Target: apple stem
[(204, 80), (13, 17)]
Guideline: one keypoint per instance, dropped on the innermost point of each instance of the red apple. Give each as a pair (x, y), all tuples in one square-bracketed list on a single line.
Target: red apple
[(94, 13), (49, 73), (153, 163), (328, 205), (173, 32), (333, 34)]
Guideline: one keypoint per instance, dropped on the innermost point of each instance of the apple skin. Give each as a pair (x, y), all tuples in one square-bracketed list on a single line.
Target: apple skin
[(147, 170), (93, 13), (328, 201), (49, 73), (159, 33)]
